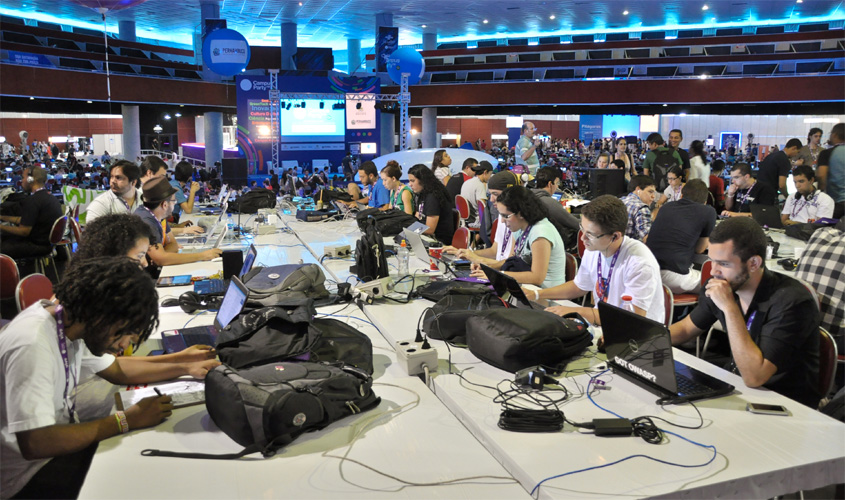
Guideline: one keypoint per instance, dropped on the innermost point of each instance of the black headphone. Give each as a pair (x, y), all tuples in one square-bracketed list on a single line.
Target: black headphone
[(192, 301)]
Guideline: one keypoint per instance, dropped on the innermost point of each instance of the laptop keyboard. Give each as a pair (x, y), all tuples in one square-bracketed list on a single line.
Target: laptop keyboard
[(201, 336), (689, 387)]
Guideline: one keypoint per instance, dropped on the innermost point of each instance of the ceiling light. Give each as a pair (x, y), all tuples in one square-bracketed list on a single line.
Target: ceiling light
[(31, 98), (485, 21), (178, 115), (625, 13), (799, 1), (704, 7), (300, 4), (90, 102), (702, 76), (425, 26), (166, 117), (552, 16), (665, 105)]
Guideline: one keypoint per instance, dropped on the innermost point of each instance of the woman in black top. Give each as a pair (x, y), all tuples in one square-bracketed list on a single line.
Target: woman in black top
[(433, 207)]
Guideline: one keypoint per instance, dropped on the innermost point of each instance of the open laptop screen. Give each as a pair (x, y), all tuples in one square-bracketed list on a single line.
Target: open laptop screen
[(249, 259), (233, 303)]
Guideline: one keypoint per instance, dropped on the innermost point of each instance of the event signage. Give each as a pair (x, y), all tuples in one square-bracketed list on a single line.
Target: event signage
[(225, 52)]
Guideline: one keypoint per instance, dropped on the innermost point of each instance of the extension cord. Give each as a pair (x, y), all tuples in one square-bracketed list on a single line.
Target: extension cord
[(338, 251), (413, 358)]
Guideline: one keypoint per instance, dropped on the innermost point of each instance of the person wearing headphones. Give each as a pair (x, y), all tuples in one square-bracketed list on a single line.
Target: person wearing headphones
[(808, 203), (29, 234), (613, 266)]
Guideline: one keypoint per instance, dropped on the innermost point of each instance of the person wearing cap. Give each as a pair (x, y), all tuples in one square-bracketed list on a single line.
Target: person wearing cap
[(159, 199), (456, 182), (503, 238), (475, 190)]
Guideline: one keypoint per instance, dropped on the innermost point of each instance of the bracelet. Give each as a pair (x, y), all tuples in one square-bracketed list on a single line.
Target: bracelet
[(122, 423), (536, 294)]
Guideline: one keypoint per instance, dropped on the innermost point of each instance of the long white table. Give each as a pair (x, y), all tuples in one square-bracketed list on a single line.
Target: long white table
[(411, 435)]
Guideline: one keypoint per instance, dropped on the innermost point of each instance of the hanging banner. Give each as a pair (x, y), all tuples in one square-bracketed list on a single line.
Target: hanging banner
[(386, 43)]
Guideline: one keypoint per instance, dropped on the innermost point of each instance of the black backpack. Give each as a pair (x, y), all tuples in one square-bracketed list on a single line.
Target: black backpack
[(251, 201), (370, 259), (447, 319), (663, 161), (389, 222), (266, 407)]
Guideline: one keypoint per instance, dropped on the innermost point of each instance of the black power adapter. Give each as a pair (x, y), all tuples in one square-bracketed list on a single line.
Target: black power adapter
[(534, 377), (612, 427)]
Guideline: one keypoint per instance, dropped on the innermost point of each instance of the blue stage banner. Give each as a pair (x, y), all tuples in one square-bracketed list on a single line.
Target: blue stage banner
[(386, 43), (590, 127), (27, 59)]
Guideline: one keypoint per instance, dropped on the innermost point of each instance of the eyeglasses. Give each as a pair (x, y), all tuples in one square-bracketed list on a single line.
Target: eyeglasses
[(591, 236), (670, 179), (506, 217)]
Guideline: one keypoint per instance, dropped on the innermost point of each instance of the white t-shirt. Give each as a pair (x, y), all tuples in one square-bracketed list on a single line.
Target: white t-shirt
[(504, 240), (110, 203), (32, 384), (673, 195), (636, 273), (442, 172), (474, 190), (698, 170), (818, 206), (92, 365)]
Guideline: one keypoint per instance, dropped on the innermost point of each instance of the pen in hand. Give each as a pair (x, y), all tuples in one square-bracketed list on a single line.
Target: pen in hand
[(158, 391)]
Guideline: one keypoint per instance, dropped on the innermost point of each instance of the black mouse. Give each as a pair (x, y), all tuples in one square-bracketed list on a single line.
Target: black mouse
[(171, 302)]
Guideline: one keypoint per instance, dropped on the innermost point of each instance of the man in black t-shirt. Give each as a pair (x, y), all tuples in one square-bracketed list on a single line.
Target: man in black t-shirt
[(775, 168), (772, 321), (675, 138), (29, 234), (682, 228), (456, 182), (745, 191)]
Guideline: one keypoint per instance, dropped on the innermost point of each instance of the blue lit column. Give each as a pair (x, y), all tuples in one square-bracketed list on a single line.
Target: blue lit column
[(387, 121), (429, 41), (353, 55), (209, 9), (213, 131), (429, 128), (126, 31), (288, 45)]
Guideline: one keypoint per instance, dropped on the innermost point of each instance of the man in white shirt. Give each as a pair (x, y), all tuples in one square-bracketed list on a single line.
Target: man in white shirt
[(123, 197), (809, 203), (613, 266), (44, 451)]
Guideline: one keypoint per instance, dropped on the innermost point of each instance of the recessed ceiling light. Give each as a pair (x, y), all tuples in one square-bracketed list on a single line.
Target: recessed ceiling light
[(90, 102), (425, 26), (702, 76), (485, 21), (799, 1), (31, 98), (552, 16), (704, 7), (625, 13), (300, 4), (665, 105)]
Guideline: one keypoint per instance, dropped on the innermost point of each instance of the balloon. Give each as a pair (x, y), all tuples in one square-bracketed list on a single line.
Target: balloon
[(103, 6), (405, 60)]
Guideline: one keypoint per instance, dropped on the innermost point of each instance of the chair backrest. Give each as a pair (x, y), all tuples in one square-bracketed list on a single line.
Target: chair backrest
[(11, 276), (31, 289), (581, 246), (493, 228), (668, 305), (812, 291), (461, 238), (482, 220), (706, 271), (456, 219), (462, 206), (571, 267), (75, 231), (57, 234), (827, 362)]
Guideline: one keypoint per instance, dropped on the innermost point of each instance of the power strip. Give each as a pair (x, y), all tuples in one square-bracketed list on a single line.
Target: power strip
[(413, 358), (267, 229), (338, 251)]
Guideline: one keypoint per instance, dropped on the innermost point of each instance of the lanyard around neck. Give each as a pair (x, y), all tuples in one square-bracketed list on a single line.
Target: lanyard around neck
[(60, 333)]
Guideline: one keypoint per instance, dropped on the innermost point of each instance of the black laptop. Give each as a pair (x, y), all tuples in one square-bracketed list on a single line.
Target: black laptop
[(218, 286), (507, 288), (767, 216), (232, 305), (640, 350)]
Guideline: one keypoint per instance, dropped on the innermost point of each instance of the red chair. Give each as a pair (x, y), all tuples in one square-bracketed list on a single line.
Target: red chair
[(75, 232), (571, 267), (668, 305), (482, 224), (57, 235), (827, 362), (493, 229), (31, 289), (581, 247), (461, 238), (691, 299), (11, 276), (462, 206)]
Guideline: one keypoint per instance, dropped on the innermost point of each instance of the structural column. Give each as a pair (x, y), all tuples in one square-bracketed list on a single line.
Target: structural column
[(388, 120), (429, 41), (288, 45), (131, 132), (126, 31), (429, 128), (353, 55), (209, 9), (213, 131)]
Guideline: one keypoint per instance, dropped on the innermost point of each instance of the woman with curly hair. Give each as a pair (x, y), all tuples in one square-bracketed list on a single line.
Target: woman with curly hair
[(433, 206), (536, 240), (440, 165), (115, 234)]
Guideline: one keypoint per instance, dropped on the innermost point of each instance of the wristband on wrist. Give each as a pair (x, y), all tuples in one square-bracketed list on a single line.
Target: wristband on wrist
[(122, 423), (536, 294)]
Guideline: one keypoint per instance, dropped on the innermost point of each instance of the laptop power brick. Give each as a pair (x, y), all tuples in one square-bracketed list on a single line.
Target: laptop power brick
[(413, 357), (607, 427)]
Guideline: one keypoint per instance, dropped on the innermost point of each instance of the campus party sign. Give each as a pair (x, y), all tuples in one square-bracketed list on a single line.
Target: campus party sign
[(225, 52)]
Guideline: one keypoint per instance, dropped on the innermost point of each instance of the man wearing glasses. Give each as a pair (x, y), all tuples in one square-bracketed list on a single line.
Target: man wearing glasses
[(613, 266), (159, 200), (746, 191)]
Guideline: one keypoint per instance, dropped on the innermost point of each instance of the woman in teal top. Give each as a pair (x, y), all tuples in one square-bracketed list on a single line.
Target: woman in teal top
[(401, 196)]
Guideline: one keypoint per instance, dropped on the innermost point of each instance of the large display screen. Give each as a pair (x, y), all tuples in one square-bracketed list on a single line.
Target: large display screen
[(623, 125), (305, 121)]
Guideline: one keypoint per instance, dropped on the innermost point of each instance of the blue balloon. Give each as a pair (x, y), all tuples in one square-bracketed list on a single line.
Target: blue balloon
[(225, 52), (405, 60)]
